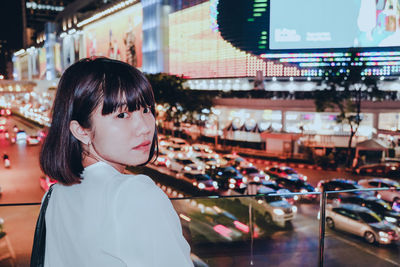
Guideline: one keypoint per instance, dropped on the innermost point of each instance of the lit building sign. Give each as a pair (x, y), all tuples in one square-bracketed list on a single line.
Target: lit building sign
[(118, 36)]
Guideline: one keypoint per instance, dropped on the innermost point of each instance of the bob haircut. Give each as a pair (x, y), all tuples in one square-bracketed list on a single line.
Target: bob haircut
[(84, 86)]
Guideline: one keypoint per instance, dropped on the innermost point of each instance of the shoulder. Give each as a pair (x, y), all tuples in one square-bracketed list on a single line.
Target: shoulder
[(139, 188)]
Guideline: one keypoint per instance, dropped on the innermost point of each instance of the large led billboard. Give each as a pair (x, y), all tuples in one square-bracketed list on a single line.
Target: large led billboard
[(118, 36), (197, 50), (326, 24)]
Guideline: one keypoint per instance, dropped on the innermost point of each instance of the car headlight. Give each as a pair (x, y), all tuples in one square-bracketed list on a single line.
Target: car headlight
[(296, 197), (256, 178), (199, 168), (303, 191), (201, 186), (244, 179), (215, 183), (305, 178), (231, 186), (278, 212), (294, 209), (383, 234), (232, 181), (390, 219), (187, 168)]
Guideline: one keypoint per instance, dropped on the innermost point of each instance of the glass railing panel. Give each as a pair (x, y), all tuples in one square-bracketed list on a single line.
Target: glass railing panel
[(240, 230), (16, 237), (362, 229)]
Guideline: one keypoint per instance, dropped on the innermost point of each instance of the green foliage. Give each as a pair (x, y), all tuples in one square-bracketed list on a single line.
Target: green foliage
[(169, 90), (345, 93)]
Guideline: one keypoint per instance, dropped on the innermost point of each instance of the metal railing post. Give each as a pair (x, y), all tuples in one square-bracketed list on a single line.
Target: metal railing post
[(322, 206)]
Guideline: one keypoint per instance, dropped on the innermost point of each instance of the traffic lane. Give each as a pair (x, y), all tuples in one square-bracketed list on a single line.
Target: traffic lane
[(20, 182), (314, 176)]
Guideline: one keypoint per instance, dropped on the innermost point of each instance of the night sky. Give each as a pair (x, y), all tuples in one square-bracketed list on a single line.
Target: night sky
[(11, 23)]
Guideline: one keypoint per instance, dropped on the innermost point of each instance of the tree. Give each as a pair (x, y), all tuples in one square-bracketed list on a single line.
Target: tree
[(345, 92), (181, 102)]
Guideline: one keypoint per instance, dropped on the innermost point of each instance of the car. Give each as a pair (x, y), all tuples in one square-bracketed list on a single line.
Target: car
[(391, 195), (379, 206), (185, 164), (338, 184), (162, 159), (178, 141), (21, 137), (285, 172), (274, 209), (200, 180), (227, 177), (201, 149), (234, 160), (297, 185), (33, 140), (45, 182), (362, 222), (209, 161), (251, 173), (387, 169)]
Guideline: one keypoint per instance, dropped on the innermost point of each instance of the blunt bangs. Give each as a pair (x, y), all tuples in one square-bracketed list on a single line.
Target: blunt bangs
[(125, 87)]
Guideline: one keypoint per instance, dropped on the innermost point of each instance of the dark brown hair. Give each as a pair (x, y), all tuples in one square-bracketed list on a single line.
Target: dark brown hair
[(83, 87)]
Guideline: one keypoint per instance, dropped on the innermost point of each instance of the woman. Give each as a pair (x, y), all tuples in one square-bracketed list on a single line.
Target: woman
[(104, 120)]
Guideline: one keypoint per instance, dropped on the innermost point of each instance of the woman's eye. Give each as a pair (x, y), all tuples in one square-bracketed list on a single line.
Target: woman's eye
[(147, 110), (122, 115)]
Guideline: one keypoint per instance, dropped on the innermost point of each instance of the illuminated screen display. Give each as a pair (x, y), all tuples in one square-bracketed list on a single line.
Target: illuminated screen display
[(311, 24), (196, 48), (118, 36)]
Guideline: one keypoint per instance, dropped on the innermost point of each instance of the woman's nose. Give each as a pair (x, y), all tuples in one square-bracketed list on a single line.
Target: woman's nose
[(143, 125)]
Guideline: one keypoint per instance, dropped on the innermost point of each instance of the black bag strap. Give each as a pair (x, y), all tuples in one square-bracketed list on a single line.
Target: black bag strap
[(39, 241)]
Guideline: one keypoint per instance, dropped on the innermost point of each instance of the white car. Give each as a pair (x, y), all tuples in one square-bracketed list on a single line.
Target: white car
[(33, 140), (274, 209), (362, 222), (391, 195), (185, 164)]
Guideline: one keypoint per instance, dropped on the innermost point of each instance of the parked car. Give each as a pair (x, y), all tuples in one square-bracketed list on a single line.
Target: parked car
[(274, 209), (388, 169), (33, 140), (341, 184), (209, 161), (228, 177), (391, 195), (297, 185), (251, 173), (185, 164), (200, 180), (362, 222), (234, 160), (285, 172), (162, 159), (379, 206)]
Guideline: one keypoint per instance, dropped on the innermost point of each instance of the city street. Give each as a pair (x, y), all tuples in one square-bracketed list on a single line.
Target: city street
[(296, 245)]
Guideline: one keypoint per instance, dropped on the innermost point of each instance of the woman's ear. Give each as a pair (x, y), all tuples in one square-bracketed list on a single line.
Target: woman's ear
[(79, 132)]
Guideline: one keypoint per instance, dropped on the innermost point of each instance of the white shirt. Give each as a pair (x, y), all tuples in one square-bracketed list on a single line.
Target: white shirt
[(113, 219)]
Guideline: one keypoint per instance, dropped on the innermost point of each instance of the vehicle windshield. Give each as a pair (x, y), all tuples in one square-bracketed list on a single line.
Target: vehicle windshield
[(202, 177), (369, 217), (270, 199), (230, 171), (290, 171), (186, 161), (250, 170), (380, 204)]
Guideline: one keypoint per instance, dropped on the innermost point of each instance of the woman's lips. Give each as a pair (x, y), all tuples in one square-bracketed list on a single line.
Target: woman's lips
[(143, 146)]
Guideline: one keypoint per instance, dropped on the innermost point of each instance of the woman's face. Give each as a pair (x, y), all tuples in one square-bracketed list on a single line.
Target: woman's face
[(122, 138)]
